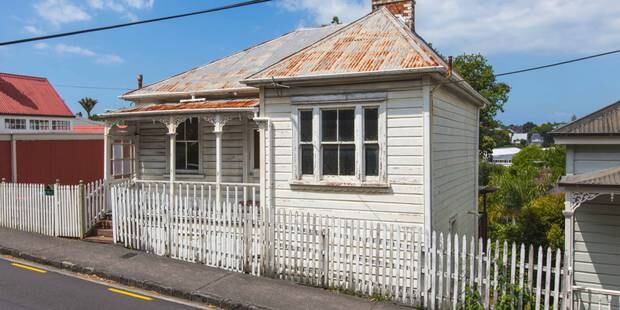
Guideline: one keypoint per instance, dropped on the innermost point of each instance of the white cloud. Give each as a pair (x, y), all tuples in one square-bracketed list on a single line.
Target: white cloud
[(323, 11), (33, 30), (123, 7), (104, 59), (60, 12), (496, 26), (109, 60), (140, 4), (41, 46)]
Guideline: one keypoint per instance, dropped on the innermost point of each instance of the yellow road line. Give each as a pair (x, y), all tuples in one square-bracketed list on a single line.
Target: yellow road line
[(129, 294), (28, 268)]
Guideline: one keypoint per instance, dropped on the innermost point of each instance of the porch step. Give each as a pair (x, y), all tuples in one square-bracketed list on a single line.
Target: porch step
[(99, 239), (103, 232), (105, 224)]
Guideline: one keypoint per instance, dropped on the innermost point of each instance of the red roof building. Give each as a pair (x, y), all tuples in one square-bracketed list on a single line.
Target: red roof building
[(30, 96)]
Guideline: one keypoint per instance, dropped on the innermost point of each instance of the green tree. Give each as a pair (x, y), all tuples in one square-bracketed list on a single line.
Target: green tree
[(88, 104), (336, 20), (528, 127), (475, 69)]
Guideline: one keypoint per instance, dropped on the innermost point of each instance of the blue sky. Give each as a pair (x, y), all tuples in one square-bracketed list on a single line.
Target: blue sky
[(512, 34)]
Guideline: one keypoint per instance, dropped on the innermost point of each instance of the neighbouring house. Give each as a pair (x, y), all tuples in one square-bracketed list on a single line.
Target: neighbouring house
[(518, 138), (360, 121), (503, 155), (592, 212), (40, 140), (537, 139)]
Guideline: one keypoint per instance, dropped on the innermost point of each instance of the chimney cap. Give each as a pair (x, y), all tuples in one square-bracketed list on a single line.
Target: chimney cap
[(140, 79)]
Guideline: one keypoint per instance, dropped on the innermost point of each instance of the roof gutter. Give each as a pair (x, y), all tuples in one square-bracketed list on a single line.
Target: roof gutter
[(175, 112), (167, 95)]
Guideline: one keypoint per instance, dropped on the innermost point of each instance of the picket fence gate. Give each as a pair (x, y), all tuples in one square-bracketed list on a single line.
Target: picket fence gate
[(385, 260), (53, 210)]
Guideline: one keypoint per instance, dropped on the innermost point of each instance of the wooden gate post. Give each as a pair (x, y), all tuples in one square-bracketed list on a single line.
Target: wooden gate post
[(81, 209), (325, 257), (56, 207)]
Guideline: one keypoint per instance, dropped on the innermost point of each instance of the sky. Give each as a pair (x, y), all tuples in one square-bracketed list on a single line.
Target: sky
[(512, 34)]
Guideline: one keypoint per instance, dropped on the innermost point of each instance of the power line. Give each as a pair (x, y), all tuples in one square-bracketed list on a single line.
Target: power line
[(146, 21), (92, 87), (558, 63)]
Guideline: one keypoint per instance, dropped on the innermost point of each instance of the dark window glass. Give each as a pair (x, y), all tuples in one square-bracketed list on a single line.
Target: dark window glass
[(330, 159), (192, 155), (191, 129), (307, 159), (347, 159), (181, 131), (346, 125), (372, 159), (256, 149), (328, 125), (305, 120), (180, 155), (371, 124)]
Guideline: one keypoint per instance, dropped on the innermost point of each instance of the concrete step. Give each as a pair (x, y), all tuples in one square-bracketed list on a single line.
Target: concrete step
[(104, 232), (104, 224), (99, 239)]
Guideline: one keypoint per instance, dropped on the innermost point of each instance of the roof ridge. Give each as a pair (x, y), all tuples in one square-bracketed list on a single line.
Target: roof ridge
[(23, 76), (237, 53)]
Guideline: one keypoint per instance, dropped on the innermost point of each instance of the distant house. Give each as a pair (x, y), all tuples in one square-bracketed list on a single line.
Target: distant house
[(40, 140), (536, 138), (351, 121), (592, 211), (518, 138), (503, 156)]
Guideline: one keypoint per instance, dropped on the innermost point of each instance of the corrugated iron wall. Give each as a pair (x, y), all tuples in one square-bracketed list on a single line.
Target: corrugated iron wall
[(5, 160), (69, 161)]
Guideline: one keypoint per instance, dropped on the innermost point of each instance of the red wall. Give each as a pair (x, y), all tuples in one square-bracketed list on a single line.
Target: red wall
[(5, 160), (69, 161)]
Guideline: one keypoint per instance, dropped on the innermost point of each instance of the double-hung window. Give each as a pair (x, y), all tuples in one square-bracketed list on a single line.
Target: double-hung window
[(340, 143), (187, 147), (15, 123)]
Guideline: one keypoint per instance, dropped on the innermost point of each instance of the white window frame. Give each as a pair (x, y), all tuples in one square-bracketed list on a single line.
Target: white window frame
[(359, 178), (12, 122), (39, 124), (60, 125), (177, 141), (126, 160)]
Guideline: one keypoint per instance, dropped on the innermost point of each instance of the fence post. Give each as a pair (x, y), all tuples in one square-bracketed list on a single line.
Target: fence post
[(81, 209), (56, 207), (325, 257), (4, 203)]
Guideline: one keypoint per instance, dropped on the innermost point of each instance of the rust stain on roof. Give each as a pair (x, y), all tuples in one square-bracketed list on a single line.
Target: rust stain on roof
[(377, 42), (217, 104)]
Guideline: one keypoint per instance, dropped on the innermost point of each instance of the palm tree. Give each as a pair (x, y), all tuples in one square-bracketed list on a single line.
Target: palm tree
[(88, 104)]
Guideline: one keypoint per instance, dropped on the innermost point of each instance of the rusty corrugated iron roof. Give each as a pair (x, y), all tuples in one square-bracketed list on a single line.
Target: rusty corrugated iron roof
[(377, 42), (605, 121), (188, 106), (607, 177), (227, 72), (29, 95)]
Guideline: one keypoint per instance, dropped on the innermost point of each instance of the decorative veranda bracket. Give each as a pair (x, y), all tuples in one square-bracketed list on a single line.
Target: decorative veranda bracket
[(172, 122), (110, 124), (577, 198), (219, 120)]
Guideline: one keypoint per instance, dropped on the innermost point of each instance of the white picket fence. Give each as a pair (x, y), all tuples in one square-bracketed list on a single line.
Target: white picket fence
[(393, 261), (56, 210)]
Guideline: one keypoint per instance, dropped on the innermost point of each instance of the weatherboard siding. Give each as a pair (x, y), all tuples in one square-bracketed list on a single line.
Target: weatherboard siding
[(597, 241), (404, 202), (589, 158), (454, 158), (154, 144)]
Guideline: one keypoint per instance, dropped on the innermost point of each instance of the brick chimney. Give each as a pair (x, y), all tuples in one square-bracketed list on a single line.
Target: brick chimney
[(404, 9)]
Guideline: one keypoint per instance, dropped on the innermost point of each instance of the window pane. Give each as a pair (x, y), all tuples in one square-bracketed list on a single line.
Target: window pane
[(330, 160), (117, 151), (256, 149), (372, 159), (181, 131), (305, 120), (347, 159), (180, 154), (192, 156), (346, 124), (328, 125), (371, 124), (191, 129), (307, 159)]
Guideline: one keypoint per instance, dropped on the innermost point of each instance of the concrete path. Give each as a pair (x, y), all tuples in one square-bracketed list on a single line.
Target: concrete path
[(23, 287), (175, 278)]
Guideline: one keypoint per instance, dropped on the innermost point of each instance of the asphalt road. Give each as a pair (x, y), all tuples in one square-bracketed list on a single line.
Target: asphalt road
[(24, 288)]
